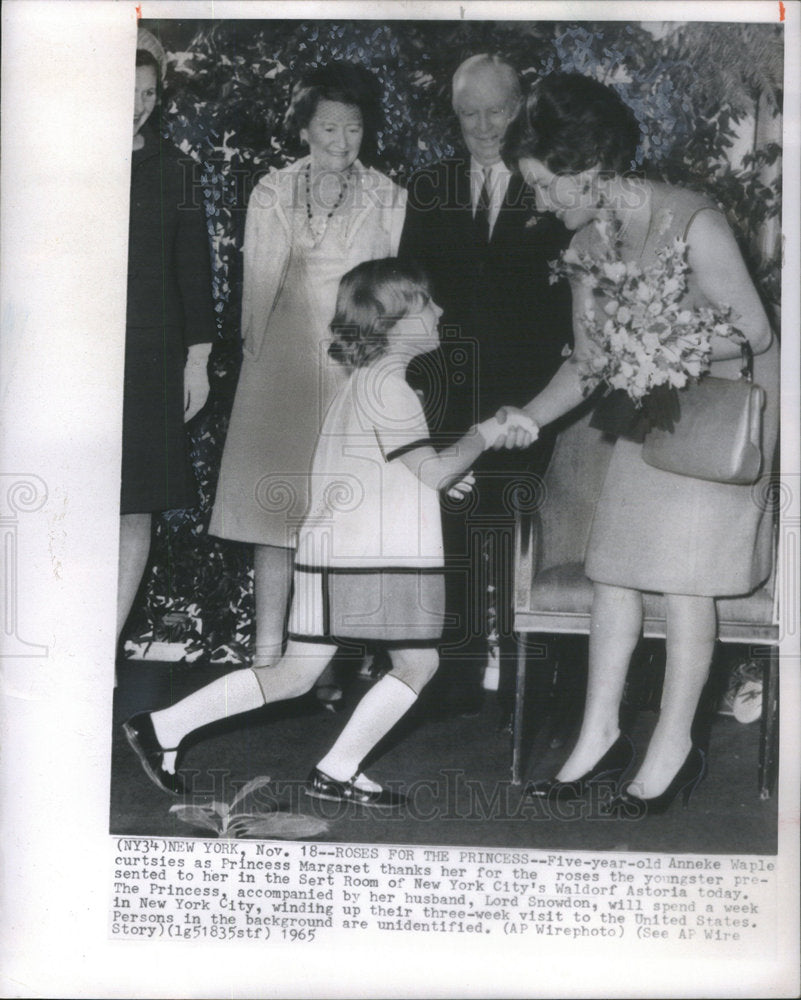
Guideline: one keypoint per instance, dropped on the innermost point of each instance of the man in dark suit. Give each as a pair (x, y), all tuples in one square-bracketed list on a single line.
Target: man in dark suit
[(505, 330)]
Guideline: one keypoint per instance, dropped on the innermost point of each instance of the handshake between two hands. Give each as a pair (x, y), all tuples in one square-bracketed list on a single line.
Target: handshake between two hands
[(509, 428)]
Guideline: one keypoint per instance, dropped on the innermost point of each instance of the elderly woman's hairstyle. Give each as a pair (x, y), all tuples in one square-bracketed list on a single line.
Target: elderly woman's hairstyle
[(571, 123), (372, 297), (345, 83)]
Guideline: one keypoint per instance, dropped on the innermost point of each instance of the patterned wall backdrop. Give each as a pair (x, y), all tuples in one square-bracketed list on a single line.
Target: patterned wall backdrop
[(708, 98)]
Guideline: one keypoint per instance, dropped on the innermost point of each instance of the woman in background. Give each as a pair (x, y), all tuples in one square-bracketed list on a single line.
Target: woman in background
[(307, 224), (169, 329)]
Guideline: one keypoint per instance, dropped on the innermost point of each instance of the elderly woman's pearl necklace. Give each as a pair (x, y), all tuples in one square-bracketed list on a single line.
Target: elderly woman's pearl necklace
[(318, 225)]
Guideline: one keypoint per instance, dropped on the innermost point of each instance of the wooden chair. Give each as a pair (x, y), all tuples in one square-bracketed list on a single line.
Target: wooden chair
[(552, 594)]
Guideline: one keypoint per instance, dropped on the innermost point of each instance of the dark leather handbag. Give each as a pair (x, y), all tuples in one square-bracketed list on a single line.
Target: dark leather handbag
[(718, 433)]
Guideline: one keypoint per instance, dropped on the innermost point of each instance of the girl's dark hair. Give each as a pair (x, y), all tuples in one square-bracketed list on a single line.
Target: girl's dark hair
[(372, 297), (570, 123), (145, 58), (345, 83)]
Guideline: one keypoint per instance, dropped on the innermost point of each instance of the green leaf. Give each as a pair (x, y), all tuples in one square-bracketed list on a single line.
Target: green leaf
[(197, 816), (276, 826), (253, 785)]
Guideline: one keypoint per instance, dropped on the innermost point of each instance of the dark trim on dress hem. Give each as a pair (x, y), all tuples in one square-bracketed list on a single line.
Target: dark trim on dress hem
[(347, 640), (363, 570)]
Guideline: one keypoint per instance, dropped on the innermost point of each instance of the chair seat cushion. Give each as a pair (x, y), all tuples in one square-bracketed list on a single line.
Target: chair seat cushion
[(562, 589), (566, 590)]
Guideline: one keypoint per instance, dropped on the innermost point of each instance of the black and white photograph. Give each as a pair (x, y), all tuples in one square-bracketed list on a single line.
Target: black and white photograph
[(305, 607), (401, 514)]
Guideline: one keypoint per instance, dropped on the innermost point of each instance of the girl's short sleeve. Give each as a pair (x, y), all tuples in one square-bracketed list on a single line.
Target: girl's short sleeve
[(391, 411)]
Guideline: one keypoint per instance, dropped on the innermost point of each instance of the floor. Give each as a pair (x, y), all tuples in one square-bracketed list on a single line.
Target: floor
[(456, 771)]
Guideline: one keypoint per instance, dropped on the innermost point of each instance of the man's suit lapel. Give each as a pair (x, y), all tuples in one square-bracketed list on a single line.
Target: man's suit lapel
[(460, 187), (460, 203), (513, 210)]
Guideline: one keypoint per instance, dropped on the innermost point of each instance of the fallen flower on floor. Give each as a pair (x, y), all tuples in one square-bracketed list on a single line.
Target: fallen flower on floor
[(270, 824)]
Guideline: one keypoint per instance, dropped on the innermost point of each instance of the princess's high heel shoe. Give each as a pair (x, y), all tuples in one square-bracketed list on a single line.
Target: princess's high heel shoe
[(612, 767), (630, 806)]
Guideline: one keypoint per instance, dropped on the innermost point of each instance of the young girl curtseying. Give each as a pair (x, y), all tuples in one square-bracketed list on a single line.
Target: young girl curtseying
[(369, 560)]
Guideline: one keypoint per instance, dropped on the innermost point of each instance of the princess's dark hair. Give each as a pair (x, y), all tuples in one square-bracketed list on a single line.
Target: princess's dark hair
[(345, 83), (571, 123), (372, 297)]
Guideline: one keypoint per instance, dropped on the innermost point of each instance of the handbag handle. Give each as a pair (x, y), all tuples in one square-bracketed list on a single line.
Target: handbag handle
[(747, 358)]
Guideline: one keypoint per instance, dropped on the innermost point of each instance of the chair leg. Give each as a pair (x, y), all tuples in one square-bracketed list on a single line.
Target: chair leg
[(517, 719), (769, 734)]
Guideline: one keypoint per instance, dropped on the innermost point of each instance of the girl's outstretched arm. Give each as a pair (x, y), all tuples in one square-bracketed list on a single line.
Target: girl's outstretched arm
[(439, 469)]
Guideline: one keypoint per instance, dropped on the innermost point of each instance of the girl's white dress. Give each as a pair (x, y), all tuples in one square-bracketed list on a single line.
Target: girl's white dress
[(369, 562)]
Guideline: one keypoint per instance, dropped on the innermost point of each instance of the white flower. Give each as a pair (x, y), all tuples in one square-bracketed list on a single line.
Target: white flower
[(646, 339), (619, 341), (570, 256), (615, 271)]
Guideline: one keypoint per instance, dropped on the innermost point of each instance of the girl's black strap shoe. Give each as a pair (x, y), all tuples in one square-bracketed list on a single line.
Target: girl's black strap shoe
[(142, 737)]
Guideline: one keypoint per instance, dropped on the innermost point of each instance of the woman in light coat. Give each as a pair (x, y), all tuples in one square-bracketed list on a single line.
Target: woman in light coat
[(307, 224)]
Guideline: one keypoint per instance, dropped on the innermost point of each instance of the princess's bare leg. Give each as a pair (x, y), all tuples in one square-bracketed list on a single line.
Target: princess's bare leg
[(614, 632), (691, 630)]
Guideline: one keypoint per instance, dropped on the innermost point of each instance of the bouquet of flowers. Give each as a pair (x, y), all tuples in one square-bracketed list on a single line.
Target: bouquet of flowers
[(643, 342)]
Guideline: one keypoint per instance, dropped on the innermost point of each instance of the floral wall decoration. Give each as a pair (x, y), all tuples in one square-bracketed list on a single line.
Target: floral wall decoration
[(709, 102)]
